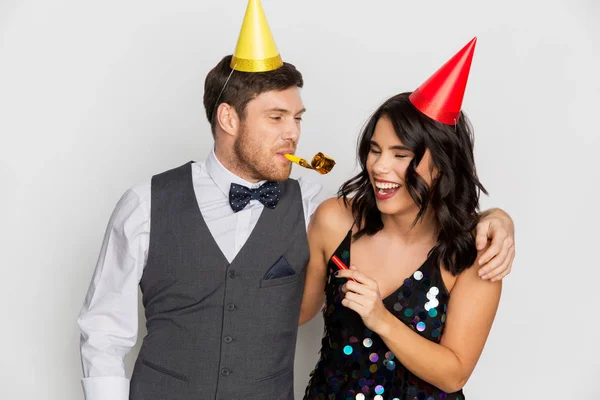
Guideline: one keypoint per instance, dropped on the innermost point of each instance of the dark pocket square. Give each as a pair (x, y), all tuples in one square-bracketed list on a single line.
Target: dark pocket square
[(279, 270)]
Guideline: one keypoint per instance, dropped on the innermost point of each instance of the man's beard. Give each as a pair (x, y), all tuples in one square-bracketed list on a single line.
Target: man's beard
[(250, 160)]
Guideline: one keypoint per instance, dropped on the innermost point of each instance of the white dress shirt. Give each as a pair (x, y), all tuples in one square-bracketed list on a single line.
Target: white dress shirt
[(109, 317)]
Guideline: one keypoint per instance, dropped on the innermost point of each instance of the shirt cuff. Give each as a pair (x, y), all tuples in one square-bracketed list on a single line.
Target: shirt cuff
[(105, 388)]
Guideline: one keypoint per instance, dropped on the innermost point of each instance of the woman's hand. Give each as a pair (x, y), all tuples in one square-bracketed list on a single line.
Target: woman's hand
[(362, 295)]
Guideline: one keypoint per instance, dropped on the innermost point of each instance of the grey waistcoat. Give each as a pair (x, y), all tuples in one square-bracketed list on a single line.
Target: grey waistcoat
[(218, 330)]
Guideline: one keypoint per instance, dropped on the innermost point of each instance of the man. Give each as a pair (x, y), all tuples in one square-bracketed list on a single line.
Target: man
[(219, 249)]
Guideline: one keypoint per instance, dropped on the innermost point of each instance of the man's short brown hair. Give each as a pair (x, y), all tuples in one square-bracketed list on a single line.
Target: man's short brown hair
[(243, 86)]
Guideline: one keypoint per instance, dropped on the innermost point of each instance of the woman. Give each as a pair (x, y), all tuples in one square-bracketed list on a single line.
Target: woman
[(409, 319)]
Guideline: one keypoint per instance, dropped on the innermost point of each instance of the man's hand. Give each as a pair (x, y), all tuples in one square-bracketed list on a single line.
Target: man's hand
[(496, 261)]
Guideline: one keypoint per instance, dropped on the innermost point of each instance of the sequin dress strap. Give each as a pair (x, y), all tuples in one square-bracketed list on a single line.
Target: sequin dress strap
[(354, 224)]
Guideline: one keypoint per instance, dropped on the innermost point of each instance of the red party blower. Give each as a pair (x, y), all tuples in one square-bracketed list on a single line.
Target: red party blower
[(339, 263)]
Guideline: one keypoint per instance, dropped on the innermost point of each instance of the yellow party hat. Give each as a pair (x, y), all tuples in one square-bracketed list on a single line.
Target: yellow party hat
[(256, 50)]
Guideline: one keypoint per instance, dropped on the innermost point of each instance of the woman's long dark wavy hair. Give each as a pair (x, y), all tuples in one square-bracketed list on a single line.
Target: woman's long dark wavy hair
[(454, 193)]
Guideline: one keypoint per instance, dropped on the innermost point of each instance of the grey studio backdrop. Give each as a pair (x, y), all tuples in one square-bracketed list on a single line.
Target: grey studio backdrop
[(97, 96)]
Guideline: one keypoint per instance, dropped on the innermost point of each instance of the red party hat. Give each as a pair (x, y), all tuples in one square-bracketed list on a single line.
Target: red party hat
[(441, 96)]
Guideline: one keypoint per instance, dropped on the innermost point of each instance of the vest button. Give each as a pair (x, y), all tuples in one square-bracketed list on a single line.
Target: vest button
[(228, 339), (225, 372), (232, 274), (230, 307)]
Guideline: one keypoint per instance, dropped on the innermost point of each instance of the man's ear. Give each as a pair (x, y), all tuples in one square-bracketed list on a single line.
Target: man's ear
[(228, 119)]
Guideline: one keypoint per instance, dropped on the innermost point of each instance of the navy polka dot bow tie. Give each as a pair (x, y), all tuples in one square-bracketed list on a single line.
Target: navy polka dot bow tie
[(268, 194)]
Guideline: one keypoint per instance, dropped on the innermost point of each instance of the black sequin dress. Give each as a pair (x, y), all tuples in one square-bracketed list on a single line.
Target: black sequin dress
[(355, 363)]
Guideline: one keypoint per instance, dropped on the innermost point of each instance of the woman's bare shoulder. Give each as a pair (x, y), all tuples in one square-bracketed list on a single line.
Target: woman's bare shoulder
[(333, 216)]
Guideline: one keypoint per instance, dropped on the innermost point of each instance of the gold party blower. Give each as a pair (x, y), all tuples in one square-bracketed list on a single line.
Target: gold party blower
[(320, 162)]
